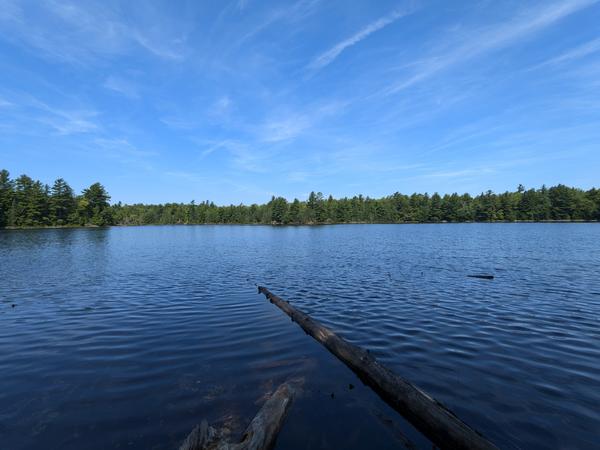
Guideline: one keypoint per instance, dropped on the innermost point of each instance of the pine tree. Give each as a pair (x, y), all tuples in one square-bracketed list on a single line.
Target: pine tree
[(62, 203), (94, 207), (294, 215), (6, 197)]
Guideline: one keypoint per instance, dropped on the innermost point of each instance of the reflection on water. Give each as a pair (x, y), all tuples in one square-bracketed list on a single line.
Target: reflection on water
[(127, 337)]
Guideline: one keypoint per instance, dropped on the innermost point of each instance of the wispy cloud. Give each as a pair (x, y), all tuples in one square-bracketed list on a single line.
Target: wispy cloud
[(186, 176), (330, 55), (71, 122), (222, 107), (581, 51), (65, 121), (284, 129), (172, 48), (177, 122), (211, 146), (478, 42), (26, 110), (123, 151), (123, 147), (297, 11), (121, 86), (460, 173), (280, 128), (88, 31)]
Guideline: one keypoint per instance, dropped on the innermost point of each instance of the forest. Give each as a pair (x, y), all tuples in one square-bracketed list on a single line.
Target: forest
[(25, 202)]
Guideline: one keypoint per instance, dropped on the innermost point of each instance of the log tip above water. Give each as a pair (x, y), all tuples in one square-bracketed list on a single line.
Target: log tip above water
[(483, 277)]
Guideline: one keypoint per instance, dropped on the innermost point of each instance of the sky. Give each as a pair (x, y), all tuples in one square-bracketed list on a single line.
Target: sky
[(236, 101)]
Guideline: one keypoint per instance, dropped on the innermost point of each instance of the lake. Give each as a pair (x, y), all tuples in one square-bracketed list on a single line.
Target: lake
[(128, 337)]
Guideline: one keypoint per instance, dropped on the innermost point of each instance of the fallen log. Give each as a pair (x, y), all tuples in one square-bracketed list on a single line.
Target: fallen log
[(430, 417), (262, 432)]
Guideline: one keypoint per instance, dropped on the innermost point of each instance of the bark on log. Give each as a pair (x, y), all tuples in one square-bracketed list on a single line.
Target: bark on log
[(428, 415), (262, 432)]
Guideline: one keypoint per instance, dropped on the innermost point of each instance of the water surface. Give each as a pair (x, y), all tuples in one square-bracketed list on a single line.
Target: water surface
[(128, 337)]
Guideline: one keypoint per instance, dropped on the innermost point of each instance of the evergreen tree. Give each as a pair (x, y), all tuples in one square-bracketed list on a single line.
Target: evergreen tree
[(562, 202), (278, 209), (316, 212), (435, 208), (294, 213), (94, 207), (486, 207), (6, 197), (30, 203), (62, 203), (25, 202)]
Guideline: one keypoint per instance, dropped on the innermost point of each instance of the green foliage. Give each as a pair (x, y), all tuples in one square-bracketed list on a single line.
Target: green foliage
[(6, 198), (279, 209), (525, 205), (28, 203), (62, 203), (294, 214), (25, 202), (94, 207)]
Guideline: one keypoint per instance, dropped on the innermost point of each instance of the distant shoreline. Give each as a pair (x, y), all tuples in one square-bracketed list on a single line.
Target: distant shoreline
[(277, 225)]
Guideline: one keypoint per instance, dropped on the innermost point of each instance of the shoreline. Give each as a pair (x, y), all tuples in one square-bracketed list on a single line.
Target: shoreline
[(60, 227)]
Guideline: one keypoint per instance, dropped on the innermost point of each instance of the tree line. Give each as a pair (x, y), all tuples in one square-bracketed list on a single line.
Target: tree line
[(25, 202)]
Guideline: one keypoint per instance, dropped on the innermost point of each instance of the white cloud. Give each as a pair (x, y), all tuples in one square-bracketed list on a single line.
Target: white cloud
[(211, 146), (297, 11), (122, 147), (330, 55), (180, 123), (121, 86), (284, 129), (581, 51), (287, 127), (481, 41), (160, 46), (71, 122), (87, 31), (221, 107), (124, 152), (460, 173)]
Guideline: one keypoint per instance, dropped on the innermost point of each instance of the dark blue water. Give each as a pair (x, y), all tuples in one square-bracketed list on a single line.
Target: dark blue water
[(128, 337)]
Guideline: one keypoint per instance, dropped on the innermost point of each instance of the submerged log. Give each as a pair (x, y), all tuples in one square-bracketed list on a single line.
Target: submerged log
[(429, 416), (484, 277), (262, 432)]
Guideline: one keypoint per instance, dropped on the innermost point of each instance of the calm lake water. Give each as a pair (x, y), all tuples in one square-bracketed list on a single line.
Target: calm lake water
[(128, 337)]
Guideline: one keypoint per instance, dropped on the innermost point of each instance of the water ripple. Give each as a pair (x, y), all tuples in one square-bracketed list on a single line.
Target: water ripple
[(129, 336)]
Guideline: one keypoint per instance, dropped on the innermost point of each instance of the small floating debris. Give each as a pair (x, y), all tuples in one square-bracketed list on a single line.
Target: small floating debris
[(350, 386), (483, 277)]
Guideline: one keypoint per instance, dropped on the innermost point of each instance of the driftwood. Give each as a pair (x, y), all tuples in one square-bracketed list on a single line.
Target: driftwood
[(428, 415), (262, 432), (484, 277)]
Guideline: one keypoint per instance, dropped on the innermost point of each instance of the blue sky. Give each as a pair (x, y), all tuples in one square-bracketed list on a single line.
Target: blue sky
[(237, 101)]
